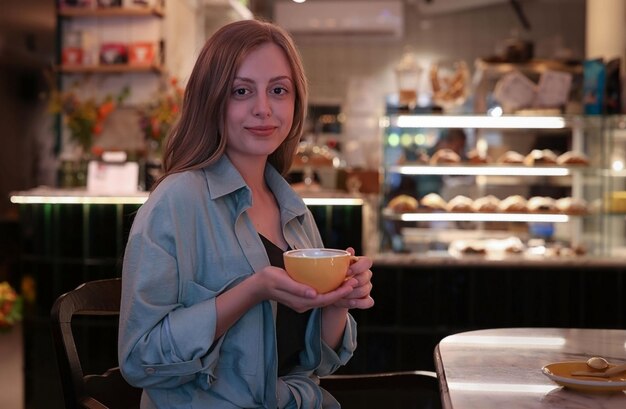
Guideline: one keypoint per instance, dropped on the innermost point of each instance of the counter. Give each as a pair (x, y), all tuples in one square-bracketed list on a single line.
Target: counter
[(442, 259), (69, 236)]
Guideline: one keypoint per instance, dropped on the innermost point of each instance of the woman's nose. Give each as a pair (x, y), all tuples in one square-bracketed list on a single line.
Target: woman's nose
[(262, 107)]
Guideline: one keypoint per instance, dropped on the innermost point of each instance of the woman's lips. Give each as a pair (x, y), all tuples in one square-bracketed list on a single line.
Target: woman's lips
[(261, 130)]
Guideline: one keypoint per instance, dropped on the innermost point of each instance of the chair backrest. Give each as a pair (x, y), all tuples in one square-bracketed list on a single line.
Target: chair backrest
[(108, 390), (388, 390)]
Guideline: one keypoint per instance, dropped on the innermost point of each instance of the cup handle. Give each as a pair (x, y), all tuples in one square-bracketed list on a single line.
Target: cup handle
[(353, 259)]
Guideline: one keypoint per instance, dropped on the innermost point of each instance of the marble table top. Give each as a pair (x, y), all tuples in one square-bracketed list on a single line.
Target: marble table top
[(501, 368)]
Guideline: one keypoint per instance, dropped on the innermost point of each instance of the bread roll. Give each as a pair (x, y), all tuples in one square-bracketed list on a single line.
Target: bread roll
[(511, 157), (514, 204), (460, 203), (573, 158), (570, 205), (487, 204), (403, 204), (433, 201), (540, 157), (541, 204), (443, 156)]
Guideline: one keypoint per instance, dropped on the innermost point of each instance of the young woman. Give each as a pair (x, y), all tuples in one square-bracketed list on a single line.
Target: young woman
[(209, 318)]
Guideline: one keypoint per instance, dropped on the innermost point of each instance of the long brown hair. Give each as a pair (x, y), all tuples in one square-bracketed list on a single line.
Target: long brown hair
[(198, 139)]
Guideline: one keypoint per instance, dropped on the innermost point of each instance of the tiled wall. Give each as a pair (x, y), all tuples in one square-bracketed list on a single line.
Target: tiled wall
[(468, 34), (358, 73)]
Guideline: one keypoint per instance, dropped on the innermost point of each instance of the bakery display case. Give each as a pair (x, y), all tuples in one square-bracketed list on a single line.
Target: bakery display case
[(496, 187)]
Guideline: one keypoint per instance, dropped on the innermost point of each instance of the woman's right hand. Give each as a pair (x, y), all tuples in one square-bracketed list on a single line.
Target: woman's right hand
[(273, 283)]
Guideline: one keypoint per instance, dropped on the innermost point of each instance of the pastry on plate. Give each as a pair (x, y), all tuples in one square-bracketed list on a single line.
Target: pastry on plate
[(514, 247), (444, 156), (461, 204), (572, 158), (486, 204), (514, 204), (403, 204), (467, 247), (540, 157), (542, 204), (433, 201), (511, 157), (570, 205), (470, 247)]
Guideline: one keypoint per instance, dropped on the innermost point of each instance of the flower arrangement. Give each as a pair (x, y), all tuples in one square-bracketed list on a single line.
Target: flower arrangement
[(157, 118), (10, 307), (85, 117)]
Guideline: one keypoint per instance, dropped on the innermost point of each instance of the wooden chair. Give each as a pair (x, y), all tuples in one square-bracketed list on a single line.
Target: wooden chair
[(388, 390), (105, 391)]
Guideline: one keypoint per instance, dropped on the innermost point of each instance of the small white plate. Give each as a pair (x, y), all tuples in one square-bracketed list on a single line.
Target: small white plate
[(561, 373)]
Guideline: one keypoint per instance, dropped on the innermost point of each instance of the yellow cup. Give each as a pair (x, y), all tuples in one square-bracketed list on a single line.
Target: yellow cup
[(322, 269)]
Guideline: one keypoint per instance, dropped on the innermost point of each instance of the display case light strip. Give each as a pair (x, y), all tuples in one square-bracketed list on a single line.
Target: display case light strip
[(484, 217), (69, 199), (482, 170), (469, 121), (20, 199), (332, 201)]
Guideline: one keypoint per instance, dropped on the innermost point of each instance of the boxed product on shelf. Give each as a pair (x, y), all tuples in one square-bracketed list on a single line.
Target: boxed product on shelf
[(109, 3), (141, 53), (72, 56), (142, 3), (72, 51), (113, 53), (77, 3)]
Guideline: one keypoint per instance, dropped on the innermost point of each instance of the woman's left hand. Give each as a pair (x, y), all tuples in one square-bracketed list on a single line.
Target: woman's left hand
[(359, 297)]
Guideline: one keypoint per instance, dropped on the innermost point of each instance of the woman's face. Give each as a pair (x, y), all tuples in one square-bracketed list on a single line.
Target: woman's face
[(260, 107)]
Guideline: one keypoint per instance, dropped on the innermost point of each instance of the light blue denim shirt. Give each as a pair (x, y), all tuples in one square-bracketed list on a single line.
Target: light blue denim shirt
[(189, 242)]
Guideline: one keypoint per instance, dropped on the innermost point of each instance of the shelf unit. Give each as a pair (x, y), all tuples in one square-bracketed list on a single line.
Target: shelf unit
[(109, 69), (71, 12), (401, 132), (79, 61), (96, 16)]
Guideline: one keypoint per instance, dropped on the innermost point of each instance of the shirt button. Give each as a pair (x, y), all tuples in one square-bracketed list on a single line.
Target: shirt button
[(150, 371)]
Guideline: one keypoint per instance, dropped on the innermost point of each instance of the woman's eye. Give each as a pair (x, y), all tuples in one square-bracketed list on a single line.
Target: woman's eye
[(279, 90), (240, 91)]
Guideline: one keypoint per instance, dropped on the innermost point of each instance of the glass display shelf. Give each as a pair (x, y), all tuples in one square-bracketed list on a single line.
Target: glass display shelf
[(410, 143)]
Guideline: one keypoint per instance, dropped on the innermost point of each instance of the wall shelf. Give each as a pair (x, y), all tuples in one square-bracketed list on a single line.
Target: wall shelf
[(108, 69), (69, 12)]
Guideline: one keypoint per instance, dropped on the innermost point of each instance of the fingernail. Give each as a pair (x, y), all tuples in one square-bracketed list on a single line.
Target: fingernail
[(310, 293)]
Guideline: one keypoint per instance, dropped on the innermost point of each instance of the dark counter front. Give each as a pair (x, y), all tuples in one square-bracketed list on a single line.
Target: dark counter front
[(67, 238), (62, 246), (419, 301)]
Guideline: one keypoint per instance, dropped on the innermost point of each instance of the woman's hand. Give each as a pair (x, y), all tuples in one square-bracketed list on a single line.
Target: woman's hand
[(334, 315), (360, 296), (274, 283)]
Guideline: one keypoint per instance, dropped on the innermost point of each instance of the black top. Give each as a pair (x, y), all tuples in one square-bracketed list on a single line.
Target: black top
[(290, 325)]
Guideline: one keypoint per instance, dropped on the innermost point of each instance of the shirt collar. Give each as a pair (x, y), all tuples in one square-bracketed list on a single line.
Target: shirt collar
[(223, 179)]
